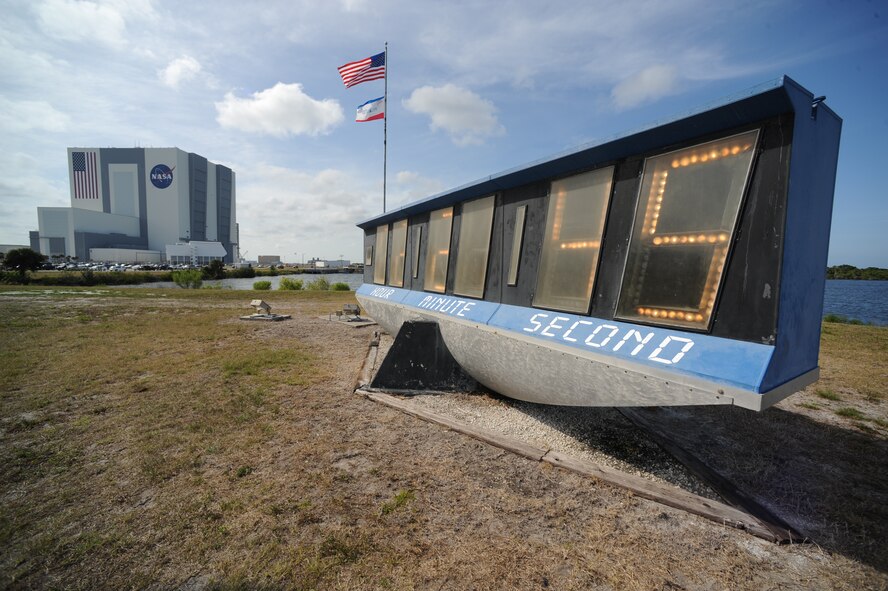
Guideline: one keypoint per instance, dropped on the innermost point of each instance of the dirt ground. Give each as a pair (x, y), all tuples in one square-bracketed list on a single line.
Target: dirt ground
[(179, 462)]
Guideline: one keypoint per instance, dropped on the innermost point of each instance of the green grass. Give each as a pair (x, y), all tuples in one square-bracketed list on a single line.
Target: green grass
[(828, 395), (850, 413), (400, 499), (107, 396), (253, 362), (146, 431), (855, 357), (839, 319)]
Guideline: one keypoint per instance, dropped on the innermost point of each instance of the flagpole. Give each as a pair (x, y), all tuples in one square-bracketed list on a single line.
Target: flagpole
[(385, 127)]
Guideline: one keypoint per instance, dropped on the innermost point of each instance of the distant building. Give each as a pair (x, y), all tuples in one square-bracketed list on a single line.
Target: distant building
[(328, 264), (269, 259), (142, 205)]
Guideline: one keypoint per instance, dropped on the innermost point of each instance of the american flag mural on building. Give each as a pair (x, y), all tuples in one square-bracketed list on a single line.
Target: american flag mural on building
[(86, 170)]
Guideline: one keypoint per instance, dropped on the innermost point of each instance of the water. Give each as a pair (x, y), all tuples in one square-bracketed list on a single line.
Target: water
[(354, 281), (861, 300)]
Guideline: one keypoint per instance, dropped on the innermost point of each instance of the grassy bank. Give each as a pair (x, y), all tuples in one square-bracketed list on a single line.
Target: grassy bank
[(114, 400), (148, 437)]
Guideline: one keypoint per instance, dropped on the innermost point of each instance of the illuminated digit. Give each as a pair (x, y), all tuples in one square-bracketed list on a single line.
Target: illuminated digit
[(687, 214)]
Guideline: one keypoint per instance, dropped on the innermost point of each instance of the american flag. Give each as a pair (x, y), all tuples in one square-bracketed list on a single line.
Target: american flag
[(86, 185), (371, 68)]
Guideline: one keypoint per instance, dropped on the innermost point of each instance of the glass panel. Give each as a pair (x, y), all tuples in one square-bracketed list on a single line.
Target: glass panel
[(476, 220), (399, 249), (684, 224), (574, 224), (382, 234), (517, 240), (368, 254), (438, 250), (417, 240)]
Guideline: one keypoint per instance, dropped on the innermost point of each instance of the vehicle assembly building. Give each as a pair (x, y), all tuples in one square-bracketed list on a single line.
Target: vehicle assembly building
[(142, 205)]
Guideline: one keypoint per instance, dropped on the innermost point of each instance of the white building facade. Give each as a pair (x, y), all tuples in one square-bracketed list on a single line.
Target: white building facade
[(137, 202)]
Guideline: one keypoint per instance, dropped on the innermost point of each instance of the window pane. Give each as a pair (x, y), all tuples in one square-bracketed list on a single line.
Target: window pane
[(517, 239), (474, 245), (417, 240), (684, 224), (399, 249), (574, 224), (381, 254), (368, 254), (438, 250)]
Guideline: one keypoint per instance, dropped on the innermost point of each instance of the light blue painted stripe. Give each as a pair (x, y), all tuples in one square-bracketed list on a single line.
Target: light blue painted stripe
[(382, 292), (459, 307), (736, 363)]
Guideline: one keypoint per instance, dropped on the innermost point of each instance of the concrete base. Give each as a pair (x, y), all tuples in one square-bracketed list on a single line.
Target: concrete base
[(267, 317)]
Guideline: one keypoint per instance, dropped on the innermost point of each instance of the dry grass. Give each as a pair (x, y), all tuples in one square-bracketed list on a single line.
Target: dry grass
[(148, 439)]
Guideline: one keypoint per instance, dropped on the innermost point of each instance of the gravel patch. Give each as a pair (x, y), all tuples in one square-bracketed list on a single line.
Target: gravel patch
[(600, 435)]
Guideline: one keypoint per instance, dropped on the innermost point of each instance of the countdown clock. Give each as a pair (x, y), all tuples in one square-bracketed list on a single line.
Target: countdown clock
[(682, 264)]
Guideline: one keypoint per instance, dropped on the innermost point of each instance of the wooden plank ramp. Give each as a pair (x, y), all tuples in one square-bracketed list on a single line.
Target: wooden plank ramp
[(665, 494), (726, 489)]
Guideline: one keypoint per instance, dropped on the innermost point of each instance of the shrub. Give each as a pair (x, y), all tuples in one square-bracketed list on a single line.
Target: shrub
[(841, 319), (89, 277), (319, 284), (241, 273), (290, 284), (340, 286), (262, 285), (23, 260), (850, 412), (10, 277), (188, 279), (215, 270), (828, 394)]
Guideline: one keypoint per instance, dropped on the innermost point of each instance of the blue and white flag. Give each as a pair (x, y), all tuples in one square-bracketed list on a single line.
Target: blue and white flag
[(371, 110)]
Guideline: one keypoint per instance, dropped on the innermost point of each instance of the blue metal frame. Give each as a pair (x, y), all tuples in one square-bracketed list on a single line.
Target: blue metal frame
[(752, 367)]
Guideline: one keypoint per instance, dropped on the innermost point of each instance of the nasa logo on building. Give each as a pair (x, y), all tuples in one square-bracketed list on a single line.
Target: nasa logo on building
[(161, 176)]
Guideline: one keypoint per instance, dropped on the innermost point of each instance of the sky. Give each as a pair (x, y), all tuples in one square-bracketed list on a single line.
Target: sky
[(474, 88)]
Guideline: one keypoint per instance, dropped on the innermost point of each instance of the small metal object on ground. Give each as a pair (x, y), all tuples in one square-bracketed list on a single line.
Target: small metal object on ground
[(263, 312), (350, 314)]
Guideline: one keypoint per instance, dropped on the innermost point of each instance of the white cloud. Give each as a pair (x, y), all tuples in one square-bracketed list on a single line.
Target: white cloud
[(650, 84), (31, 115), (73, 20), (25, 185), (283, 211), (410, 186), (179, 70), (468, 118), (279, 111)]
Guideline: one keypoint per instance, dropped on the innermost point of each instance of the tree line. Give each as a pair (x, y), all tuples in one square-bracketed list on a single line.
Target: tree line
[(852, 272)]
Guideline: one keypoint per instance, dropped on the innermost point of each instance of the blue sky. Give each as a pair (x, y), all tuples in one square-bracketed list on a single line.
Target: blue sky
[(474, 88)]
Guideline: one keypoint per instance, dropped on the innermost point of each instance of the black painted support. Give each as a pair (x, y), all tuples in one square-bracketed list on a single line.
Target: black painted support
[(420, 360)]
